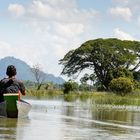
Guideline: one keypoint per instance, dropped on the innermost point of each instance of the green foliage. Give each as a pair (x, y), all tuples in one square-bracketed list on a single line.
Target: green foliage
[(101, 87), (102, 56), (84, 79), (121, 72), (69, 86), (121, 85), (92, 78), (69, 97), (32, 92), (136, 85), (29, 83), (47, 86), (88, 77), (136, 76), (112, 99), (85, 87)]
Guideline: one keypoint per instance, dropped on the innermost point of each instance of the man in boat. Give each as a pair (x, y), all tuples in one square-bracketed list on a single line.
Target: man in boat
[(10, 89), (11, 84)]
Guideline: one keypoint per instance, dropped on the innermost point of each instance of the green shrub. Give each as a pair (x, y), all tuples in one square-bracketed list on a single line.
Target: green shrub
[(118, 72), (101, 88), (136, 84), (121, 85), (136, 75), (69, 86), (122, 72)]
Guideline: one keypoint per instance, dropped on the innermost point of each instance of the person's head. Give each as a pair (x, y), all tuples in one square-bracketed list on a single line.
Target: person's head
[(11, 71)]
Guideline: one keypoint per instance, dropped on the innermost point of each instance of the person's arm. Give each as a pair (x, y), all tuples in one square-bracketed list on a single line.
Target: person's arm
[(22, 88), (1, 94)]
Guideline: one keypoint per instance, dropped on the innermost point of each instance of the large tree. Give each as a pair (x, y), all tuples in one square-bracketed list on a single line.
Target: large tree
[(102, 56)]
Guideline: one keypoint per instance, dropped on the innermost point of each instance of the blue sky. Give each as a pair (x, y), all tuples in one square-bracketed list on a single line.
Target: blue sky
[(43, 31)]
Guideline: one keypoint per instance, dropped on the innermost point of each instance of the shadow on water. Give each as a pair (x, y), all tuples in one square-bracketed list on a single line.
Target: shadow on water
[(7, 128), (12, 129)]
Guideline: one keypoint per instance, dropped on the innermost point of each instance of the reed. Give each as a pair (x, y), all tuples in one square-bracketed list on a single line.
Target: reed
[(32, 92), (106, 98)]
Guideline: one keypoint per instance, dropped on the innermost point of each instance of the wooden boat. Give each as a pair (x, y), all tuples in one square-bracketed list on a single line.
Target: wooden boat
[(13, 107)]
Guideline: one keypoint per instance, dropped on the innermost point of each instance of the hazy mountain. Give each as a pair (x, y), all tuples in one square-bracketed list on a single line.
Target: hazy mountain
[(24, 70)]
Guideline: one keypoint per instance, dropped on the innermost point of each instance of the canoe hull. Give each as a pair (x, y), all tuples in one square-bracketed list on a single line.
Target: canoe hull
[(23, 109), (12, 107), (3, 112)]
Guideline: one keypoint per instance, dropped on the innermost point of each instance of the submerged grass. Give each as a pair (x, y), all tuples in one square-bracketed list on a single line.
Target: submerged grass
[(113, 99), (95, 97), (107, 98)]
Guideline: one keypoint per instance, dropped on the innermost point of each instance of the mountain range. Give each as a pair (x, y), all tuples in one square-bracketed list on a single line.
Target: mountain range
[(24, 71)]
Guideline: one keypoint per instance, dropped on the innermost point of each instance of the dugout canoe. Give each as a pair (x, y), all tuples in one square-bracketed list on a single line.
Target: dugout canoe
[(13, 107)]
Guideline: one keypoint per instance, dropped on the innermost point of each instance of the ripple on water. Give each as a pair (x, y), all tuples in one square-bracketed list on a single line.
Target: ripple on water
[(59, 120)]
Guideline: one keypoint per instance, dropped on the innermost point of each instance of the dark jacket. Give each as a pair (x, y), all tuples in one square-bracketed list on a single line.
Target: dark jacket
[(11, 86)]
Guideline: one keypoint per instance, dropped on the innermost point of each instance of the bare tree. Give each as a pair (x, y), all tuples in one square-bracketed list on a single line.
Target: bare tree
[(39, 75)]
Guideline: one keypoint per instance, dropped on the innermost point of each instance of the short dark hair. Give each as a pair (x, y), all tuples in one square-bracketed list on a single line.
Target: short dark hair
[(11, 71)]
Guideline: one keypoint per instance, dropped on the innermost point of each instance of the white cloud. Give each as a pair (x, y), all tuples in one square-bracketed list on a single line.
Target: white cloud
[(53, 27), (139, 20), (39, 9), (56, 26), (61, 3), (12, 50), (122, 35), (61, 17), (5, 49), (60, 11), (69, 30), (4, 44), (122, 2), (123, 12), (133, 5), (16, 10)]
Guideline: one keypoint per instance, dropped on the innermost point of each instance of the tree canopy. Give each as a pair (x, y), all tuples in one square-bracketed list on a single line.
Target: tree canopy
[(102, 56)]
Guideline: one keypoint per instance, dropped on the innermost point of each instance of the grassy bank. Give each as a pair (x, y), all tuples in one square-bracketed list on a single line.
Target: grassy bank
[(32, 92), (95, 97), (106, 98)]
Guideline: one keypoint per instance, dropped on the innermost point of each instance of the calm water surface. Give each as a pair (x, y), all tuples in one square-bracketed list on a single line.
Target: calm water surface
[(60, 120)]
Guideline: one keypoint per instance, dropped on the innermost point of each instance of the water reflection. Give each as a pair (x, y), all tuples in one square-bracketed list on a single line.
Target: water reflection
[(21, 128), (115, 116), (61, 120), (114, 121), (8, 128)]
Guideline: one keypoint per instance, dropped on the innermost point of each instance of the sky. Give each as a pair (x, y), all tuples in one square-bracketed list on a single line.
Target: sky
[(43, 31)]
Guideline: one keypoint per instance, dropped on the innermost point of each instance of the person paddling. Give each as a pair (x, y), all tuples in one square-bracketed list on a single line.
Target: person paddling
[(11, 84)]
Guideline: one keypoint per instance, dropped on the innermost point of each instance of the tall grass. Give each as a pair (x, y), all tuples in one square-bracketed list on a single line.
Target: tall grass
[(113, 99), (107, 98), (32, 92), (95, 97)]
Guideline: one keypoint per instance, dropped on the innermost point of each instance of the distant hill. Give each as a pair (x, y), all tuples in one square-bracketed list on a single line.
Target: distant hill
[(24, 70)]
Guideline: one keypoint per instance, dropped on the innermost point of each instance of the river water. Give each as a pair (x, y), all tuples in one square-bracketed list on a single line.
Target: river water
[(56, 119)]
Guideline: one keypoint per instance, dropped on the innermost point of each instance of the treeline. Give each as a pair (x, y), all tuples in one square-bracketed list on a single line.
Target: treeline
[(74, 86), (45, 85), (114, 64)]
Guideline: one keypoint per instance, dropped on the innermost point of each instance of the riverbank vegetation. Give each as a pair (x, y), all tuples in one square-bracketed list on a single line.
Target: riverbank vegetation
[(113, 73), (108, 59), (96, 97)]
